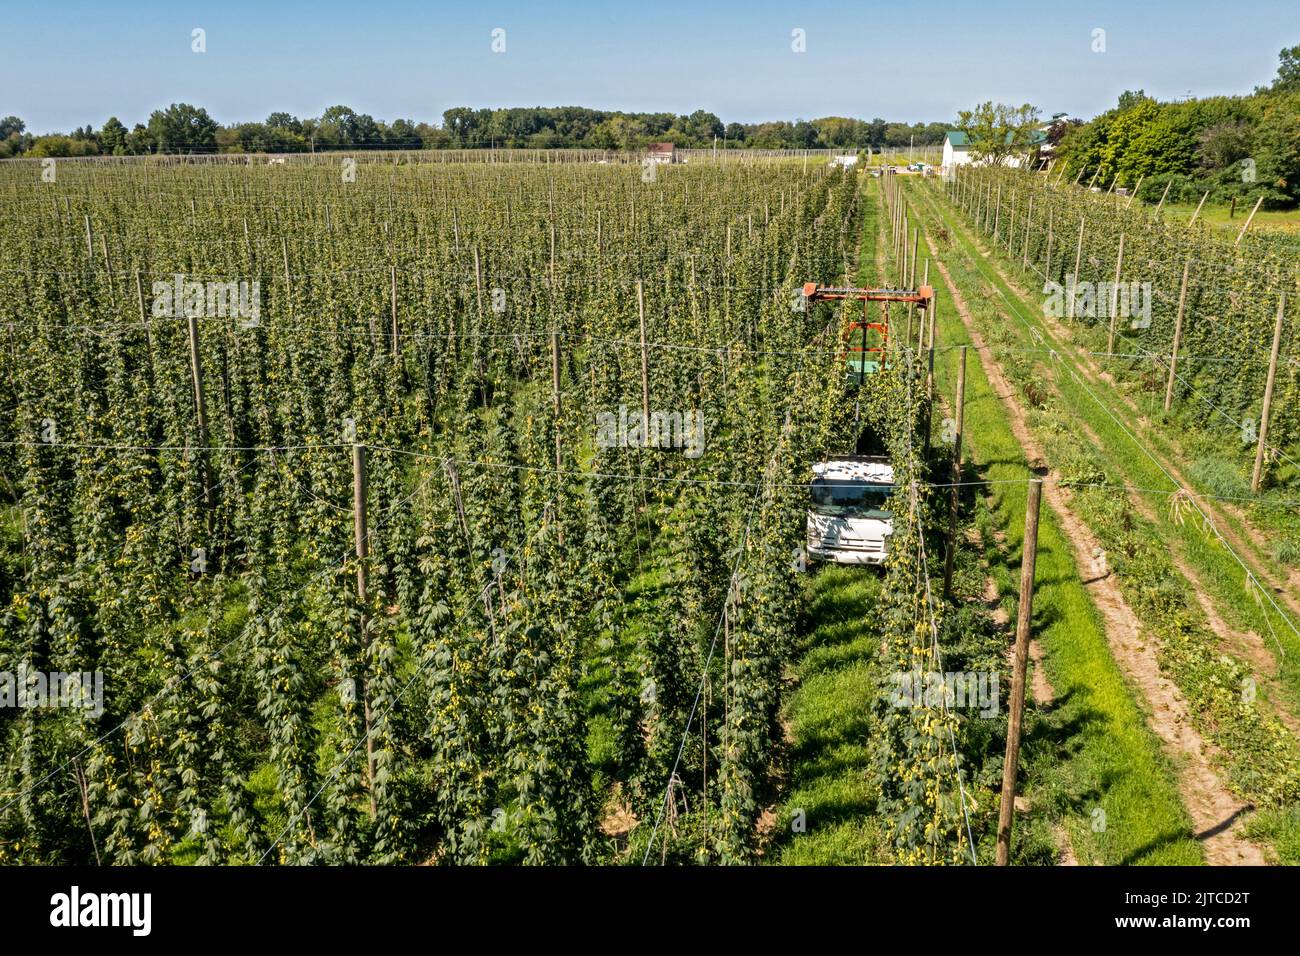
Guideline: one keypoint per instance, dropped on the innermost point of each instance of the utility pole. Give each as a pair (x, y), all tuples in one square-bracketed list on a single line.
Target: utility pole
[(1019, 666)]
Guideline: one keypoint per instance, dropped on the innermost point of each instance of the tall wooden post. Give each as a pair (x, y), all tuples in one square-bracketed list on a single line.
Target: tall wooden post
[(1114, 296), (1249, 219), (955, 496), (1019, 667), (1134, 193), (645, 365), (1011, 226), (478, 283), (1029, 221), (1078, 262), (144, 318), (362, 536), (1051, 219), (997, 214), (1161, 203), (288, 283), (1197, 214), (1178, 335), (1258, 474), (931, 316), (200, 407), (555, 396), (392, 275)]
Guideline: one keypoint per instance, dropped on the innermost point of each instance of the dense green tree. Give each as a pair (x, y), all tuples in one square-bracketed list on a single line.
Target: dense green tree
[(1288, 72), (998, 131), (112, 138), (182, 128)]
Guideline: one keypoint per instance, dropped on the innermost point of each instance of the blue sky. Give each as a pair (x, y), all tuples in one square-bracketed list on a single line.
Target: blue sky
[(68, 64)]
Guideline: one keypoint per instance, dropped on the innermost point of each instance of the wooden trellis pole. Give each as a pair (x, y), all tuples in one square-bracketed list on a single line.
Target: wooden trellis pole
[(954, 497), (1161, 203), (1019, 666), (288, 282), (1249, 220), (1178, 335), (1258, 474), (1051, 217), (1078, 262), (1133, 194), (1114, 296), (1197, 214), (555, 396), (1029, 220), (645, 365), (200, 407), (392, 275), (362, 539)]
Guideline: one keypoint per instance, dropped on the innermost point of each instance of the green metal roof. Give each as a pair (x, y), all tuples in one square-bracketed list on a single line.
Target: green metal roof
[(960, 139)]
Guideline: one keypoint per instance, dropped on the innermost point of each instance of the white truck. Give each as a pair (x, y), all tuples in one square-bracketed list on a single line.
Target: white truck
[(848, 521)]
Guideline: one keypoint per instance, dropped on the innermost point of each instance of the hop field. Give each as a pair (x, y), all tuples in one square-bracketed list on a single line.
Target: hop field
[(304, 462)]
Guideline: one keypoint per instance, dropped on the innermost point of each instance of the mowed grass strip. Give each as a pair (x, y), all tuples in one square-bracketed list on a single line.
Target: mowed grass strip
[(828, 814)]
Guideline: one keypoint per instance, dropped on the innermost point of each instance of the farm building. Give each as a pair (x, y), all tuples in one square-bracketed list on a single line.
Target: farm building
[(662, 153), (956, 149)]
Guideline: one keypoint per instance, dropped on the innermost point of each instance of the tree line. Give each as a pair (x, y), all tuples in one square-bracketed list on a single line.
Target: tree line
[(1233, 146), (184, 128)]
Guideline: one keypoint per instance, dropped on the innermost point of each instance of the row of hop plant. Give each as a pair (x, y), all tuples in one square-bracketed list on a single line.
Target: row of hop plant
[(1230, 306)]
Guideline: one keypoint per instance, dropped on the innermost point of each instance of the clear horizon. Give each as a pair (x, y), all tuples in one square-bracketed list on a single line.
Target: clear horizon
[(84, 62)]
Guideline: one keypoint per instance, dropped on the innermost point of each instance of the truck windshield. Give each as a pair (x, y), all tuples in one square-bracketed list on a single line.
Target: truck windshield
[(845, 498)]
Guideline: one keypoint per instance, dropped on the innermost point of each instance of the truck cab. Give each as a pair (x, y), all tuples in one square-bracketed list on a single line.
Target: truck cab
[(848, 518)]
